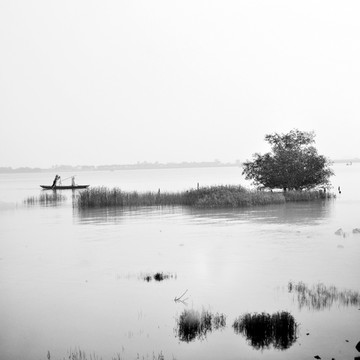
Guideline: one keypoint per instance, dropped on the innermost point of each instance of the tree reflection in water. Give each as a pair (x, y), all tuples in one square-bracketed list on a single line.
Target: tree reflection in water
[(263, 330), (320, 297)]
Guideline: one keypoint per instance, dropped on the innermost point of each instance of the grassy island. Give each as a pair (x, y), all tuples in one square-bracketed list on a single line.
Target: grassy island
[(203, 197)]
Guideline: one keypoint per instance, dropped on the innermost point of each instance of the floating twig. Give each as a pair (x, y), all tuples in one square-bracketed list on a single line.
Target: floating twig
[(179, 298)]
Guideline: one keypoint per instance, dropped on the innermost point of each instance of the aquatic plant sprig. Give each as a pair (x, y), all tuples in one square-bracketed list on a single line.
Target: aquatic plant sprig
[(181, 297)]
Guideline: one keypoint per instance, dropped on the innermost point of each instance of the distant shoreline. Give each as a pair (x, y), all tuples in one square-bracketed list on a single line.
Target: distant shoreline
[(137, 166)]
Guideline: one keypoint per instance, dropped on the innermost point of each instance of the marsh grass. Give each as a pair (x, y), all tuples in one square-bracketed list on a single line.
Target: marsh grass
[(158, 276), (98, 197), (231, 196), (219, 321), (309, 195), (319, 296), (78, 354), (204, 197), (45, 199), (264, 330), (193, 324)]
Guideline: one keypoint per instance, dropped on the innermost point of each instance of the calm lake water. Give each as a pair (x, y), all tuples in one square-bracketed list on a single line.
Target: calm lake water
[(74, 279)]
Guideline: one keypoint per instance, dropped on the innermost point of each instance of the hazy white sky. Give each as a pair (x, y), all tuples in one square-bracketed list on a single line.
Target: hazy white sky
[(114, 82)]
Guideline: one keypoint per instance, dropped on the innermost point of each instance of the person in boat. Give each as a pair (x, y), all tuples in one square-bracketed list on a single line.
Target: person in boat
[(57, 177)]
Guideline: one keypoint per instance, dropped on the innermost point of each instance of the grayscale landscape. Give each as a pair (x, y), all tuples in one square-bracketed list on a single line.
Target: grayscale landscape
[(179, 180)]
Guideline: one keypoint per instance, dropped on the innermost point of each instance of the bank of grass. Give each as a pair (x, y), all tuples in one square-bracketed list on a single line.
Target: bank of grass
[(229, 196)]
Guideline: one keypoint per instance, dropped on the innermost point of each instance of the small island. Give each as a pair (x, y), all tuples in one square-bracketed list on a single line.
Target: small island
[(292, 171)]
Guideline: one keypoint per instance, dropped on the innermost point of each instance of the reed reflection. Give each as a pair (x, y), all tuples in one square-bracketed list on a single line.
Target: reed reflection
[(98, 216), (262, 331), (320, 297), (114, 215), (304, 213)]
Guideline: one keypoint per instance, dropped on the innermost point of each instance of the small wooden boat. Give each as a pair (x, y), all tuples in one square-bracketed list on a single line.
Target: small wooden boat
[(64, 187)]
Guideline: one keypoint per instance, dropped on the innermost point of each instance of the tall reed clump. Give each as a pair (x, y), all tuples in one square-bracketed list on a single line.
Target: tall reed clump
[(263, 330), (204, 197), (193, 324), (103, 197), (230, 196)]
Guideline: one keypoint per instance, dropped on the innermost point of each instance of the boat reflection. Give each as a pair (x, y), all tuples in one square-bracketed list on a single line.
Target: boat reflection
[(262, 331), (320, 297)]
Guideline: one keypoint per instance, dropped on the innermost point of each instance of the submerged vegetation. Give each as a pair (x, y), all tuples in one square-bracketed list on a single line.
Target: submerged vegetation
[(193, 324), (263, 330), (45, 199), (204, 197), (319, 297)]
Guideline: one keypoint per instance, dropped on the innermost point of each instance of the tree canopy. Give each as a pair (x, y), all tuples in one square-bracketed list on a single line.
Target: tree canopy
[(292, 164)]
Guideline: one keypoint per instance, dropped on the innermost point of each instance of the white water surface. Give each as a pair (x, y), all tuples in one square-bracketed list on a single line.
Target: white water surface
[(73, 279)]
